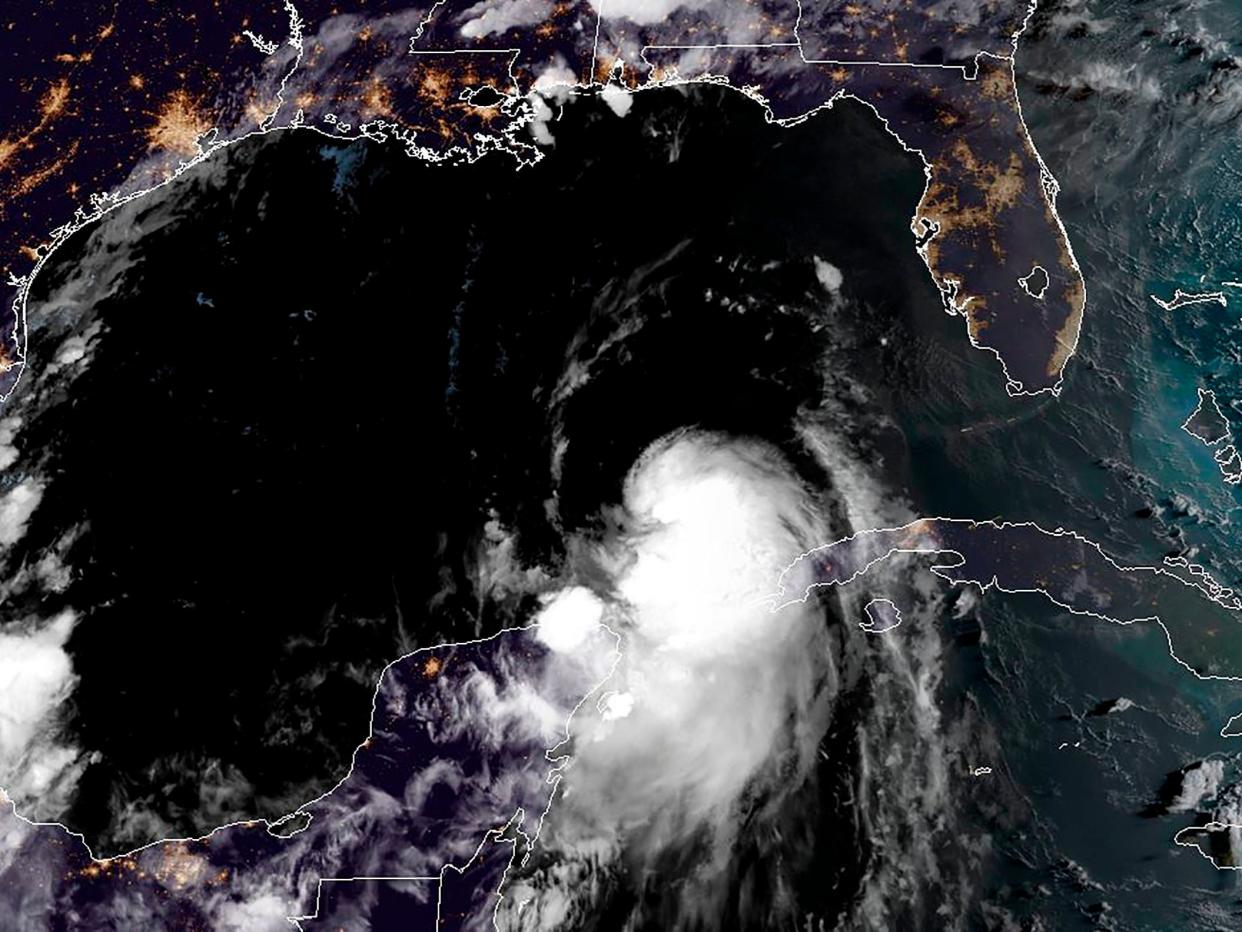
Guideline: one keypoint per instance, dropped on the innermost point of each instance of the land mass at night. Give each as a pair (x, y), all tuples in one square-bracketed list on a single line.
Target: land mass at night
[(127, 98)]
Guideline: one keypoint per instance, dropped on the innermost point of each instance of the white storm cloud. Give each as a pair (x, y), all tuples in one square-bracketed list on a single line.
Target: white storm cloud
[(618, 99), (492, 18), (569, 617), (36, 677), (709, 676), (646, 12)]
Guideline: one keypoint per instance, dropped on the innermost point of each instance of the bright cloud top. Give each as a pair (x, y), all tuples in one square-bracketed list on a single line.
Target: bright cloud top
[(710, 679)]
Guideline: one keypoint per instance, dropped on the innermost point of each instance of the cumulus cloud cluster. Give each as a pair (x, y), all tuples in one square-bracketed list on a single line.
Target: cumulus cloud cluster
[(491, 18), (648, 12)]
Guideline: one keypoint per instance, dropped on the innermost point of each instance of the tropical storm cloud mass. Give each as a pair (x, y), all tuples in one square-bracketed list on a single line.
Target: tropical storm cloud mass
[(663, 466)]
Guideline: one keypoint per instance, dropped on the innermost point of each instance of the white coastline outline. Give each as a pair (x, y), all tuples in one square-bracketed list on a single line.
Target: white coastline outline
[(1023, 282), (1213, 826), (1201, 581), (870, 625), (555, 774), (380, 130), (1183, 298), (1224, 451), (949, 289)]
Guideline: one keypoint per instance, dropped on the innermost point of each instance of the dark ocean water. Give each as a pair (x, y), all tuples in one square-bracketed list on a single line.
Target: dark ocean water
[(1135, 108), (329, 378), (324, 368)]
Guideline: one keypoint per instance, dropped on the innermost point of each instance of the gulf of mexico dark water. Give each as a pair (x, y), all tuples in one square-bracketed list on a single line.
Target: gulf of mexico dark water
[(320, 393), (325, 388)]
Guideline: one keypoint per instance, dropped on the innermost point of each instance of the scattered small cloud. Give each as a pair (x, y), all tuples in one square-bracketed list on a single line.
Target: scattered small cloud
[(16, 507)]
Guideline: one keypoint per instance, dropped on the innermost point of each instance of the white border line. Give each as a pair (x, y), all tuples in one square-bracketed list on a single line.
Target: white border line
[(380, 130), (554, 777)]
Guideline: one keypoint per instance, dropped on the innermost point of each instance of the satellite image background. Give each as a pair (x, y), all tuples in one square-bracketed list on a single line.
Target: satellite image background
[(602, 458)]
